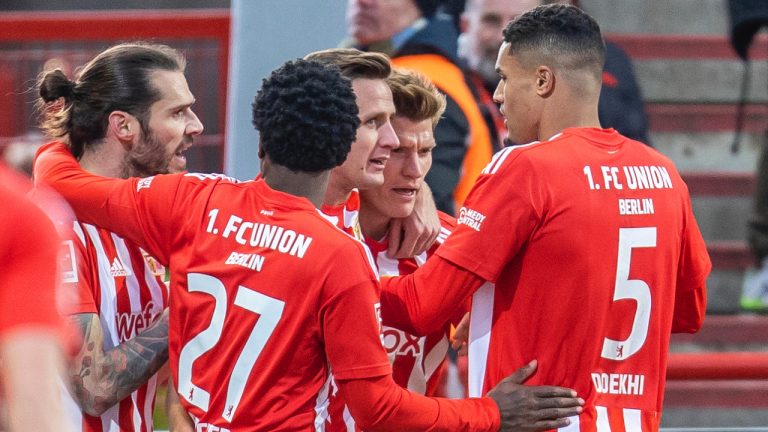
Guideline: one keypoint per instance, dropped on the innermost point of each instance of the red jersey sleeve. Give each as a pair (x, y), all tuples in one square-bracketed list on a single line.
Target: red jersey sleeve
[(29, 246), (141, 210), (693, 267), (351, 320), (410, 305), (421, 304), (380, 404), (499, 215)]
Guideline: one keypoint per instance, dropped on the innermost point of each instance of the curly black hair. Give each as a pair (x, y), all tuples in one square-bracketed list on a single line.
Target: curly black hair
[(306, 114), (559, 31)]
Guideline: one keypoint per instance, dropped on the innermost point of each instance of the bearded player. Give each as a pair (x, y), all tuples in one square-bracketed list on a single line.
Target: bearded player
[(127, 114)]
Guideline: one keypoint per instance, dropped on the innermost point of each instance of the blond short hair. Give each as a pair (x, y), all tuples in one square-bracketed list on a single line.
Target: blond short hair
[(416, 97)]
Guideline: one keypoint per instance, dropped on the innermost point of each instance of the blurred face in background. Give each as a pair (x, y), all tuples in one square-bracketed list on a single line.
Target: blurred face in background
[(482, 23), (370, 21)]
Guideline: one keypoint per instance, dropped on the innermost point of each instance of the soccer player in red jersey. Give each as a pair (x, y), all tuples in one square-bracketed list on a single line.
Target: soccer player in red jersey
[(127, 114), (31, 356), (418, 106), (374, 141), (581, 245), (268, 296), (415, 360)]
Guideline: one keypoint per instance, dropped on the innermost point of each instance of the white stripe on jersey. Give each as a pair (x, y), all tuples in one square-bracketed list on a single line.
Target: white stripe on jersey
[(110, 419), (136, 412), (147, 410), (420, 259), (79, 231), (371, 261), (603, 425), (134, 293), (443, 235), (321, 405), (498, 159), (632, 420), (480, 320), (348, 420), (108, 303), (387, 265), (434, 358), (155, 289)]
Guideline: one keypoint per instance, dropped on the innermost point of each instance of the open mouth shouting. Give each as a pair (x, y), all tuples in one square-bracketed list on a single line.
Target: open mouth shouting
[(378, 163)]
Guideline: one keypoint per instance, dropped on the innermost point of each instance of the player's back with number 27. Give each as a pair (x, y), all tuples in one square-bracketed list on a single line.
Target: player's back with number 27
[(266, 277)]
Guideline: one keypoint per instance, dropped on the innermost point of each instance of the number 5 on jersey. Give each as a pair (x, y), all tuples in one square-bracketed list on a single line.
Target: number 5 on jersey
[(270, 311), (635, 289)]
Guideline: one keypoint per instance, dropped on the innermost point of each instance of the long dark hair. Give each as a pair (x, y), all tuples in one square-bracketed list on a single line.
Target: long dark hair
[(116, 79)]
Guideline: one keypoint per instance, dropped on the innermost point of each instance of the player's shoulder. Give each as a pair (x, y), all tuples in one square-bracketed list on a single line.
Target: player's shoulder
[(341, 247), (446, 221), (508, 155), (211, 178), (197, 181)]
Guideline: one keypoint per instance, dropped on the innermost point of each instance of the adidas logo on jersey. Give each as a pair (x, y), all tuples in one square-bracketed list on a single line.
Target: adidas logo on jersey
[(118, 269)]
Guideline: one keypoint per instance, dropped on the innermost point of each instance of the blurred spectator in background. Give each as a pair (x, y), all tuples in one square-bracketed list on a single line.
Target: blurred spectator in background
[(21, 151), (418, 38), (481, 25), (621, 104)]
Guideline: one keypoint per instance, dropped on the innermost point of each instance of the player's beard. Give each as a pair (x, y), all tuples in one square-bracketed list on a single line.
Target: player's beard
[(147, 158)]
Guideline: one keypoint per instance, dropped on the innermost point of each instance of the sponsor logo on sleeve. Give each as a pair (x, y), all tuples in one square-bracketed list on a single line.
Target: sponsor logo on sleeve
[(471, 218), (68, 262)]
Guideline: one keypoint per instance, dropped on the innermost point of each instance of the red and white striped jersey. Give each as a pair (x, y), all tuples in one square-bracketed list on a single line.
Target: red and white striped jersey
[(346, 216), (115, 279), (415, 360)]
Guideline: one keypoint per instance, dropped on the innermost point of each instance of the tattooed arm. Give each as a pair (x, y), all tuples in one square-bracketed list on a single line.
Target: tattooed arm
[(100, 378)]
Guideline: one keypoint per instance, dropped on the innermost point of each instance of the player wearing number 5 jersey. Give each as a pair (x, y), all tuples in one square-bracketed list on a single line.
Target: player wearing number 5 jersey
[(581, 246), (267, 296)]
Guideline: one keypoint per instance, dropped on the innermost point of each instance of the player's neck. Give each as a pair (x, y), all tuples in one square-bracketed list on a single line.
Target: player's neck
[(338, 191), (586, 117), (104, 159), (302, 184), (374, 224)]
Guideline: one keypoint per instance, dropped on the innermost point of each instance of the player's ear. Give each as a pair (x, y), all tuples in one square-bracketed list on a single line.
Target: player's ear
[(545, 81), (123, 126)]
